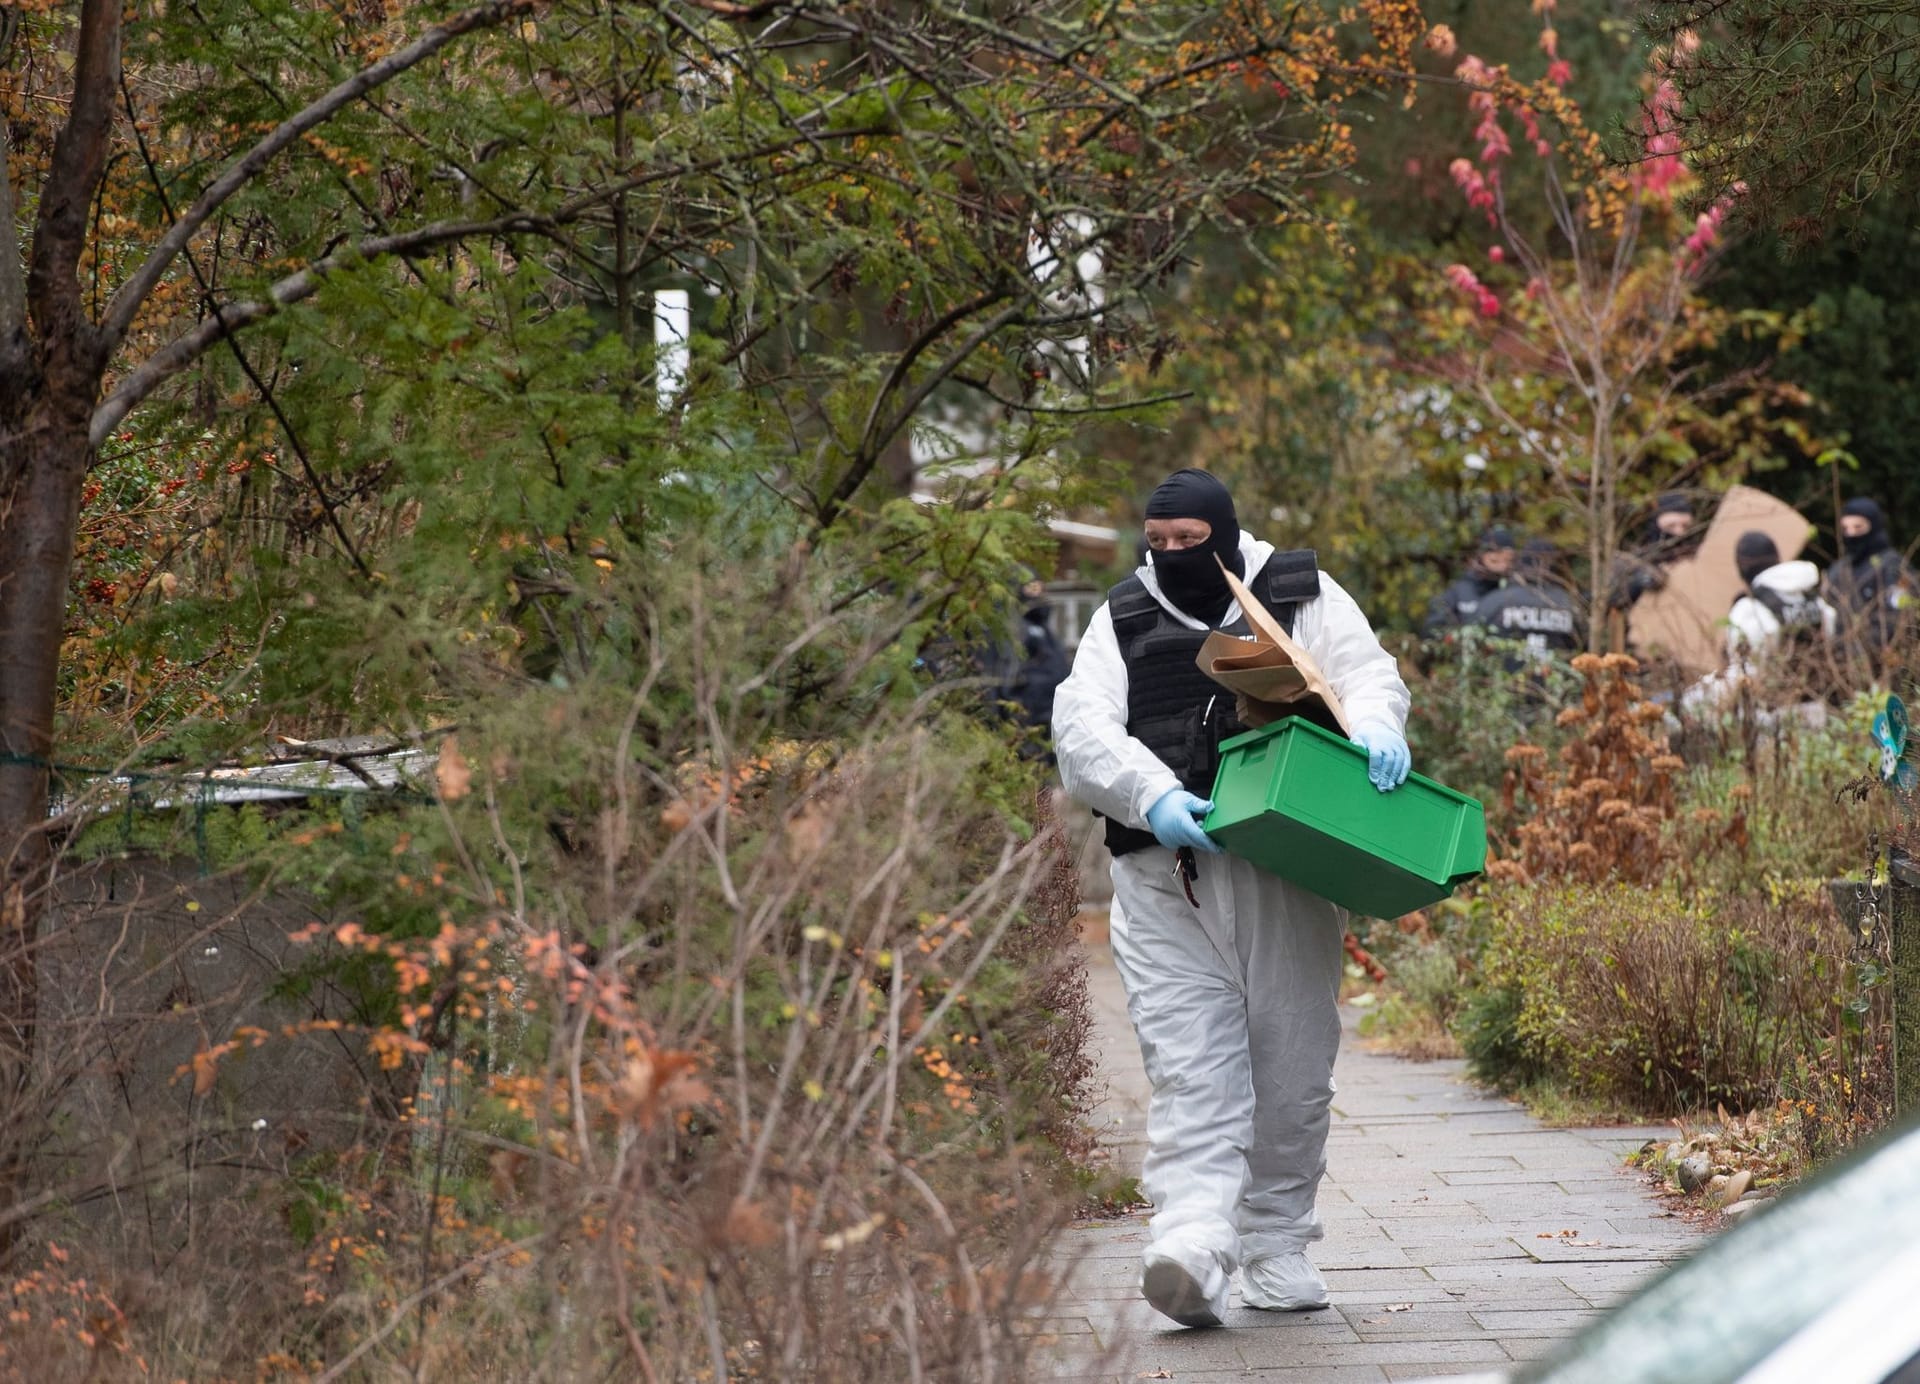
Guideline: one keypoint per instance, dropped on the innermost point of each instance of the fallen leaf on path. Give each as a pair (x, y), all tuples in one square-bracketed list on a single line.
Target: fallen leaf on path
[(1399, 1307), (1157, 1374)]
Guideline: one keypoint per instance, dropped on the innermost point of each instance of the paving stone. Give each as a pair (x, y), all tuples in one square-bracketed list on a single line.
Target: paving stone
[(1325, 1327), (1531, 1347), (1056, 1326), (1307, 1374), (1520, 1178), (1340, 1280), (1470, 1162), (1359, 1257), (1486, 1350), (1543, 1323), (1180, 1350), (1369, 1299)]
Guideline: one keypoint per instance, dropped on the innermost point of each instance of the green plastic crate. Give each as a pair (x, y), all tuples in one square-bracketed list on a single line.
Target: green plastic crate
[(1295, 800)]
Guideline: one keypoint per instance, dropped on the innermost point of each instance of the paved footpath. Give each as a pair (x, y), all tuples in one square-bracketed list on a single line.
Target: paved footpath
[(1462, 1236)]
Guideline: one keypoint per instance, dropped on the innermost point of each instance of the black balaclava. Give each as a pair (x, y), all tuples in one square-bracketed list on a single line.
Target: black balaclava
[(1875, 539), (1496, 539), (1031, 592), (1753, 554), (1191, 577), (1673, 502)]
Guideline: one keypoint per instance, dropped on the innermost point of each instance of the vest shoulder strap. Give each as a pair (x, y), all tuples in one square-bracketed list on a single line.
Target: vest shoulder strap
[(1288, 579), (1790, 611), (1133, 608)]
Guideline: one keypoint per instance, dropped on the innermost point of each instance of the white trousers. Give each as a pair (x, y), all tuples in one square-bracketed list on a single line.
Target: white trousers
[(1235, 1004)]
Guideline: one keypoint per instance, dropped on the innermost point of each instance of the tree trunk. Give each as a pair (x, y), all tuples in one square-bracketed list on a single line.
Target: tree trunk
[(52, 359), (43, 461)]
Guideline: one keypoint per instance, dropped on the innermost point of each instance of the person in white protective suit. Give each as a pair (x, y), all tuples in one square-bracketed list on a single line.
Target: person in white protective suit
[(1233, 995), (1780, 622)]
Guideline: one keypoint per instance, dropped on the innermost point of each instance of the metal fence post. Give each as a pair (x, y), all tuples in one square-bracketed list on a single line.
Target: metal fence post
[(1903, 926), (1903, 887), (1903, 920)]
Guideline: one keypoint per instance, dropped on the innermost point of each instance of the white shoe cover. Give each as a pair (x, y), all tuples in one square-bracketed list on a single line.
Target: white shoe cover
[(1191, 1286), (1283, 1283)]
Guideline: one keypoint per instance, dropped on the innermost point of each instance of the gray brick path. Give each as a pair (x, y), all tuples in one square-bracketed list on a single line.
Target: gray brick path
[(1447, 1253)]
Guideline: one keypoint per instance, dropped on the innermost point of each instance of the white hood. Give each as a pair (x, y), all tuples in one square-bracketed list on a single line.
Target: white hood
[(1790, 578)]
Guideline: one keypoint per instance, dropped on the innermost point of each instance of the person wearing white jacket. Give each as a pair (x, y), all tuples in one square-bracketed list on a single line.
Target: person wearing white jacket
[(1780, 619), (1232, 977), (1782, 603)]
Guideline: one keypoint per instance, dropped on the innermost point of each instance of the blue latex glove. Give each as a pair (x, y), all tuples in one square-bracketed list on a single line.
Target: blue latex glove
[(1388, 758), (1175, 821)]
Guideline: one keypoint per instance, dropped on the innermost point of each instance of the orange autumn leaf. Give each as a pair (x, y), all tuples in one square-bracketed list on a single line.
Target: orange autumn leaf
[(657, 1082), (748, 1224), (452, 772), (206, 1070)]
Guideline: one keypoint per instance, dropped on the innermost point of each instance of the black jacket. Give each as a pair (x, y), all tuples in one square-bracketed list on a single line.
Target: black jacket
[(1543, 616), (1872, 595), (1459, 604)]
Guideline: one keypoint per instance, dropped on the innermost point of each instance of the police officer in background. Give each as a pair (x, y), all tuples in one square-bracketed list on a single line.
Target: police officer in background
[(1871, 585), (1034, 669), (1535, 608), (1674, 532), (1486, 573)]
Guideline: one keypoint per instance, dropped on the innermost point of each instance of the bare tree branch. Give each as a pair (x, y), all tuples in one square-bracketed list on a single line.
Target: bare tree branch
[(79, 162), (184, 349), (13, 284), (126, 302), (212, 304)]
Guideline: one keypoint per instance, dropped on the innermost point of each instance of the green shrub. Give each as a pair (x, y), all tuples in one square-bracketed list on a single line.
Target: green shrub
[(1469, 709), (1488, 1027), (1647, 998), (1778, 775), (1428, 975)]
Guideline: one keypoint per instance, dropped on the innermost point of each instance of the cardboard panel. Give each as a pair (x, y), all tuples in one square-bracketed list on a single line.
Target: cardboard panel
[(1685, 620)]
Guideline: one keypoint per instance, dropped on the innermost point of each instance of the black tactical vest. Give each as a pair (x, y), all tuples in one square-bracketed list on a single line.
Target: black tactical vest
[(1173, 708), (1802, 625)]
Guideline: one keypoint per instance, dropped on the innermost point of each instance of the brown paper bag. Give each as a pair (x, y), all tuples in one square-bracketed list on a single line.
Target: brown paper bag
[(1270, 674)]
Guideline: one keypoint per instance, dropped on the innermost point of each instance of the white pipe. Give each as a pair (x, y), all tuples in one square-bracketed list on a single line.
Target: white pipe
[(672, 329)]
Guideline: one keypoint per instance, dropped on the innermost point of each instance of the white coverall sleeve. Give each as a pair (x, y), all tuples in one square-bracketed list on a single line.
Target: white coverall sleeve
[(1101, 765), (1748, 627), (1365, 676)]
